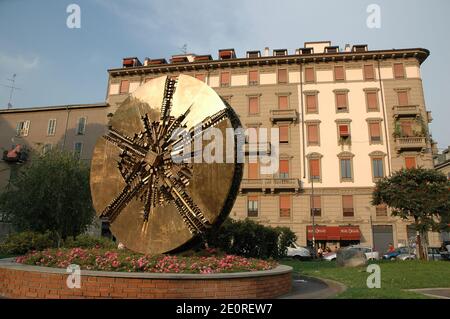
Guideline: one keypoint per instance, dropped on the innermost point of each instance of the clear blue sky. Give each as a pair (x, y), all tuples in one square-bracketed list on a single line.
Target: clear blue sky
[(57, 65)]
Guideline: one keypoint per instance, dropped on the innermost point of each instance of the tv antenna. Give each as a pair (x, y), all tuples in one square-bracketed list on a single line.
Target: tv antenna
[(12, 88), (183, 49)]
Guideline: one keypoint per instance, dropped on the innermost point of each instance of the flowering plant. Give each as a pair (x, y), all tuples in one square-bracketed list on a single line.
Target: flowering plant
[(124, 260)]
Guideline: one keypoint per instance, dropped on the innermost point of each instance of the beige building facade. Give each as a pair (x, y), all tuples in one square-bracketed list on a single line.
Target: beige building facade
[(345, 118)]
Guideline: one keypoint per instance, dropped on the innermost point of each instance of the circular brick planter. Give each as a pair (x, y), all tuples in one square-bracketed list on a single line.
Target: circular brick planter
[(24, 281)]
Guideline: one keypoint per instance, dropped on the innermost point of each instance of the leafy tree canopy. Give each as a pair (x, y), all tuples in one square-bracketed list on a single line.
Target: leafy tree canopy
[(419, 193), (50, 194)]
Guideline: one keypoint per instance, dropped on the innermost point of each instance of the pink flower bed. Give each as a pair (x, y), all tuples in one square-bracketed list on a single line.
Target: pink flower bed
[(123, 260)]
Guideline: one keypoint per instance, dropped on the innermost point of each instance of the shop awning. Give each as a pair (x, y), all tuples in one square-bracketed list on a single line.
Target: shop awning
[(334, 233)]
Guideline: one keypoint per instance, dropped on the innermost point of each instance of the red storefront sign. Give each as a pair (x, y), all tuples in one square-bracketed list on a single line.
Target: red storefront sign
[(334, 233), (350, 233)]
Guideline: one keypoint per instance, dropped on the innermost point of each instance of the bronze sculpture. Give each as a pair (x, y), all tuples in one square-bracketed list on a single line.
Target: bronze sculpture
[(156, 204)]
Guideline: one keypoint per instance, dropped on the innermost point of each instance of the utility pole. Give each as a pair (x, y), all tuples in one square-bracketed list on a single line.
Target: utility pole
[(12, 87), (313, 216)]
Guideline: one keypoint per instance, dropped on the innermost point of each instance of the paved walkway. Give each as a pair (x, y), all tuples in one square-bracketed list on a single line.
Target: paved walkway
[(441, 293), (313, 288)]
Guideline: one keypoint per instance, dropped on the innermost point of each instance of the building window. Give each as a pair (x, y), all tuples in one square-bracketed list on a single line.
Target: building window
[(312, 131), (341, 102), (81, 126), (314, 169), (410, 162), (381, 210), (22, 128), (311, 103), (253, 170), (253, 105), (344, 133), (347, 206), (284, 134), (406, 128), (285, 206), (372, 101), (375, 132), (346, 169), (309, 75), (51, 128), (225, 79), (369, 73), (283, 102), (124, 86), (253, 77), (77, 149), (339, 73), (47, 148), (252, 206), (399, 71), (201, 77), (402, 98), (282, 76), (284, 168), (316, 205), (377, 168)]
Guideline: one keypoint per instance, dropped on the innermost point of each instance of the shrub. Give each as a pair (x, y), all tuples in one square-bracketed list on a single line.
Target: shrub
[(23, 242), (250, 239), (88, 241)]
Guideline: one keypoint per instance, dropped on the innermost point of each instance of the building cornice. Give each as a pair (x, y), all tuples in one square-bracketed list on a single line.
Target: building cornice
[(54, 108), (419, 53)]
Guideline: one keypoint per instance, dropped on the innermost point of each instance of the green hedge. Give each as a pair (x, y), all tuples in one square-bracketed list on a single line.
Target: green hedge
[(250, 239), (23, 242)]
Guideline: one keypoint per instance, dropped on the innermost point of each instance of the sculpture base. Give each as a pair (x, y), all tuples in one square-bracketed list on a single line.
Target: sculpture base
[(23, 281)]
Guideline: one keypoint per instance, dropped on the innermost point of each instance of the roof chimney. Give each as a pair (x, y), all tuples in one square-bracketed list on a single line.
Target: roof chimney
[(266, 51)]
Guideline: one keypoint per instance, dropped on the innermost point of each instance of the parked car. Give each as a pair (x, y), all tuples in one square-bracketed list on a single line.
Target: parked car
[(298, 252), (329, 256), (368, 251), (406, 256), (397, 252), (434, 253)]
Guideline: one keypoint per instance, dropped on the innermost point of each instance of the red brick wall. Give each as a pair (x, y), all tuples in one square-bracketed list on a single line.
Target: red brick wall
[(28, 284)]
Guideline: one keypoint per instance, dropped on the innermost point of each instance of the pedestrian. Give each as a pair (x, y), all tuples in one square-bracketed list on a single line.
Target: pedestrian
[(391, 248), (320, 252)]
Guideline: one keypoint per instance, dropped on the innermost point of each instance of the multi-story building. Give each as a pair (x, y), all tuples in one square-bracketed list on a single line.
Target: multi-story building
[(345, 119)]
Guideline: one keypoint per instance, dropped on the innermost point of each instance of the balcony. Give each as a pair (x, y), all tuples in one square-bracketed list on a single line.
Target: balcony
[(257, 148), (270, 185), (283, 115), (410, 143), (405, 110)]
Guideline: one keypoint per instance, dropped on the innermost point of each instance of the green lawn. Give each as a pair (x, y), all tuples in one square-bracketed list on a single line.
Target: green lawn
[(395, 277)]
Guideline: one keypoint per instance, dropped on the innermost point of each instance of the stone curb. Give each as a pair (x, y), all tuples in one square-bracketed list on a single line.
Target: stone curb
[(9, 263)]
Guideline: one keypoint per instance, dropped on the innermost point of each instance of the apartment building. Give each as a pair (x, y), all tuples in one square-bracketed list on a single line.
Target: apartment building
[(345, 118)]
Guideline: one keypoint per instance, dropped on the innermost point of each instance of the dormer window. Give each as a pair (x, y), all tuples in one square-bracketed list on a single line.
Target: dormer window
[(280, 52), (332, 49), (227, 54), (360, 48), (253, 54), (305, 51)]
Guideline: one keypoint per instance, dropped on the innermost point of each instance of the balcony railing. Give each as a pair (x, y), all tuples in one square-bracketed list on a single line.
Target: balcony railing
[(271, 184), (406, 110), (283, 115), (410, 143)]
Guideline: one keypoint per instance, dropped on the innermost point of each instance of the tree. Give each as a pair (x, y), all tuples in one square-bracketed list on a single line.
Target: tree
[(420, 194), (50, 194)]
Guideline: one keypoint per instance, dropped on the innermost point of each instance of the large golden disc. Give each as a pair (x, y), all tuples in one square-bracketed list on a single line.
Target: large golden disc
[(156, 204)]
